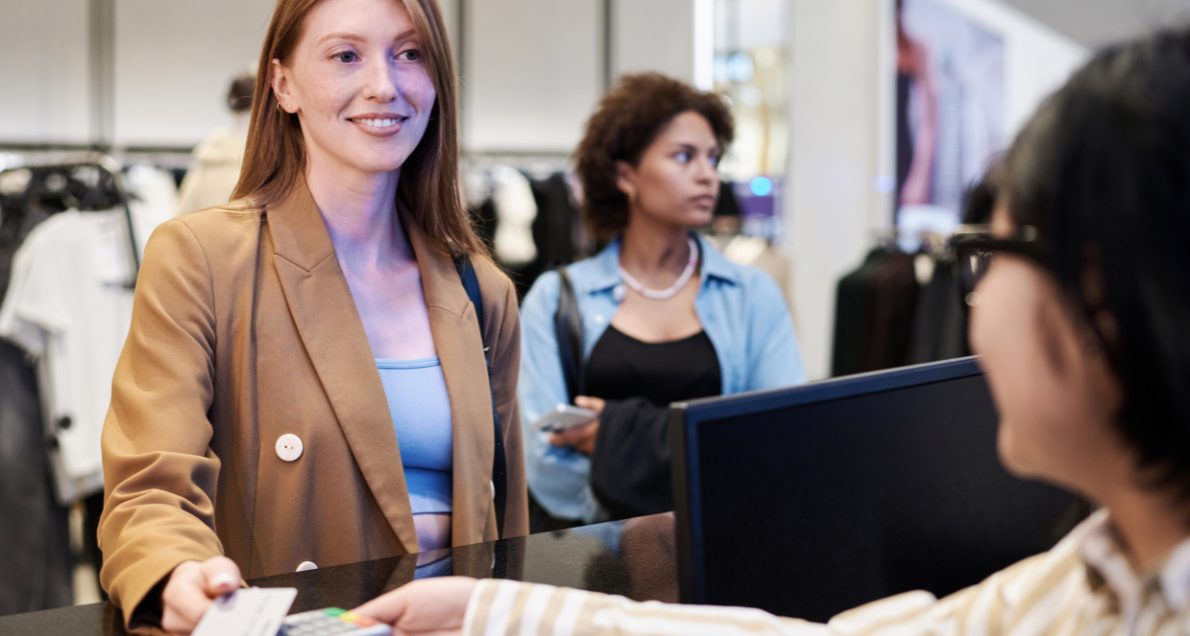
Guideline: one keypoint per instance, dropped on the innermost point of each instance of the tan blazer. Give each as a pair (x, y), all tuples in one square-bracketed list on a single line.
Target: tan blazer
[(244, 330)]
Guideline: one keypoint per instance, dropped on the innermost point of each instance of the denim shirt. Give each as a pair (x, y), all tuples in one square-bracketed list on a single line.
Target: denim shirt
[(740, 308)]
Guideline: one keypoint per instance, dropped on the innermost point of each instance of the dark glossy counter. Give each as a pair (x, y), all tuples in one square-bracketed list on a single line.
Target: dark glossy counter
[(635, 558)]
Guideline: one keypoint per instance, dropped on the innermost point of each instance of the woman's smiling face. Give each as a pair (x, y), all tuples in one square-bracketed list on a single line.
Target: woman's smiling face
[(358, 83)]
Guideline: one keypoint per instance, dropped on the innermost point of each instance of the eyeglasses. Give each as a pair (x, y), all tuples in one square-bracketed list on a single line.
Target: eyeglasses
[(975, 245)]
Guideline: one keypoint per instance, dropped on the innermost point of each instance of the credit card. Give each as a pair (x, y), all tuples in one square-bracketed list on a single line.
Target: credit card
[(253, 611)]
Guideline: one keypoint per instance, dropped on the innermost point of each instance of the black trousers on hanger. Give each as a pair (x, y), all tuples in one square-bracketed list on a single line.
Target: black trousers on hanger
[(34, 537)]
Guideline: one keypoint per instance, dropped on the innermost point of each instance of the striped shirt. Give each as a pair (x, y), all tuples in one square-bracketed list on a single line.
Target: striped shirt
[(1084, 585)]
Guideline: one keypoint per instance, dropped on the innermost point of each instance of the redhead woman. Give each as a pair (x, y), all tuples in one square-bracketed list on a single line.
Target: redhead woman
[(307, 381), (664, 316)]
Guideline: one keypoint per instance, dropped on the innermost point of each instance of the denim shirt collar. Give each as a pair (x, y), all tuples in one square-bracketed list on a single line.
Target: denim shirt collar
[(605, 272)]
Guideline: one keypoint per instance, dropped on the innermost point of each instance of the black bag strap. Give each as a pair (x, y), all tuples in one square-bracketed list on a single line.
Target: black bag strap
[(499, 466), (568, 330)]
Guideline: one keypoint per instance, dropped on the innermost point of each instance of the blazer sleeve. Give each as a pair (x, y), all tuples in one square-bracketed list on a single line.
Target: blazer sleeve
[(159, 471), (503, 332)]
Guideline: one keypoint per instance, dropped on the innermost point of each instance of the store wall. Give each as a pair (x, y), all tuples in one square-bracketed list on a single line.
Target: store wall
[(173, 62), (834, 158), (657, 35), (41, 40), (450, 15), (534, 69), (531, 73)]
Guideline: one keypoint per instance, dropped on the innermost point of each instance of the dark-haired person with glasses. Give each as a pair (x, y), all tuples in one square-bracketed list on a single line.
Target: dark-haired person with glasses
[(1080, 324)]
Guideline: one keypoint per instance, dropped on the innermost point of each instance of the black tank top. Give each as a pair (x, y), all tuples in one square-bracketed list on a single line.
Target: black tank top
[(621, 367)]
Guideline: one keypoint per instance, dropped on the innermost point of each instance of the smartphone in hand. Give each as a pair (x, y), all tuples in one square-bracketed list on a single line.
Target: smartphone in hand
[(563, 417)]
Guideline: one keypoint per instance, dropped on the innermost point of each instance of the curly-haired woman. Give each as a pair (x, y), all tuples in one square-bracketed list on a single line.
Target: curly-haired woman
[(664, 316)]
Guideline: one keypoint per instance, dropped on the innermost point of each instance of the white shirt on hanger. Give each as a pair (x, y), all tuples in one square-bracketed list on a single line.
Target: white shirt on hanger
[(515, 211), (69, 306)]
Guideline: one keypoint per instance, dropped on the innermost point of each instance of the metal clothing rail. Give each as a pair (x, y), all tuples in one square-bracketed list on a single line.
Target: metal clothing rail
[(66, 166)]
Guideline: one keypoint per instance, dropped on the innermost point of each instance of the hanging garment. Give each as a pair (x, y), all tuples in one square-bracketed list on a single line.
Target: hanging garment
[(894, 290), (727, 204), (34, 544), (874, 313), (154, 194), (558, 230), (940, 320), (215, 171), (515, 209), (35, 551), (68, 307), (853, 307)]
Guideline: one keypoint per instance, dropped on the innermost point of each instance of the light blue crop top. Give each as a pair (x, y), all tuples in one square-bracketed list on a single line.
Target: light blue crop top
[(420, 406)]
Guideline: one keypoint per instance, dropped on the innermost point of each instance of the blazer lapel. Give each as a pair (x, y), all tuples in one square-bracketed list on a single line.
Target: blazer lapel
[(460, 348), (333, 335)]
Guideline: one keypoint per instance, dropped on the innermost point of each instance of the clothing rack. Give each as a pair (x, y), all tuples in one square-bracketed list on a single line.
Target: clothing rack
[(901, 306), (535, 163), (44, 176)]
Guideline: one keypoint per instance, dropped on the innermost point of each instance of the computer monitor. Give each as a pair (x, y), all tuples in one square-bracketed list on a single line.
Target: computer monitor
[(812, 500)]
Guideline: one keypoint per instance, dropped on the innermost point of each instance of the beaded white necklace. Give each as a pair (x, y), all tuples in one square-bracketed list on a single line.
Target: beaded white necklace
[(672, 290)]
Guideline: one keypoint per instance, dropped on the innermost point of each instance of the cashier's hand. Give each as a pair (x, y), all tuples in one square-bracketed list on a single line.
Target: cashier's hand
[(582, 438), (192, 587), (428, 607)]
